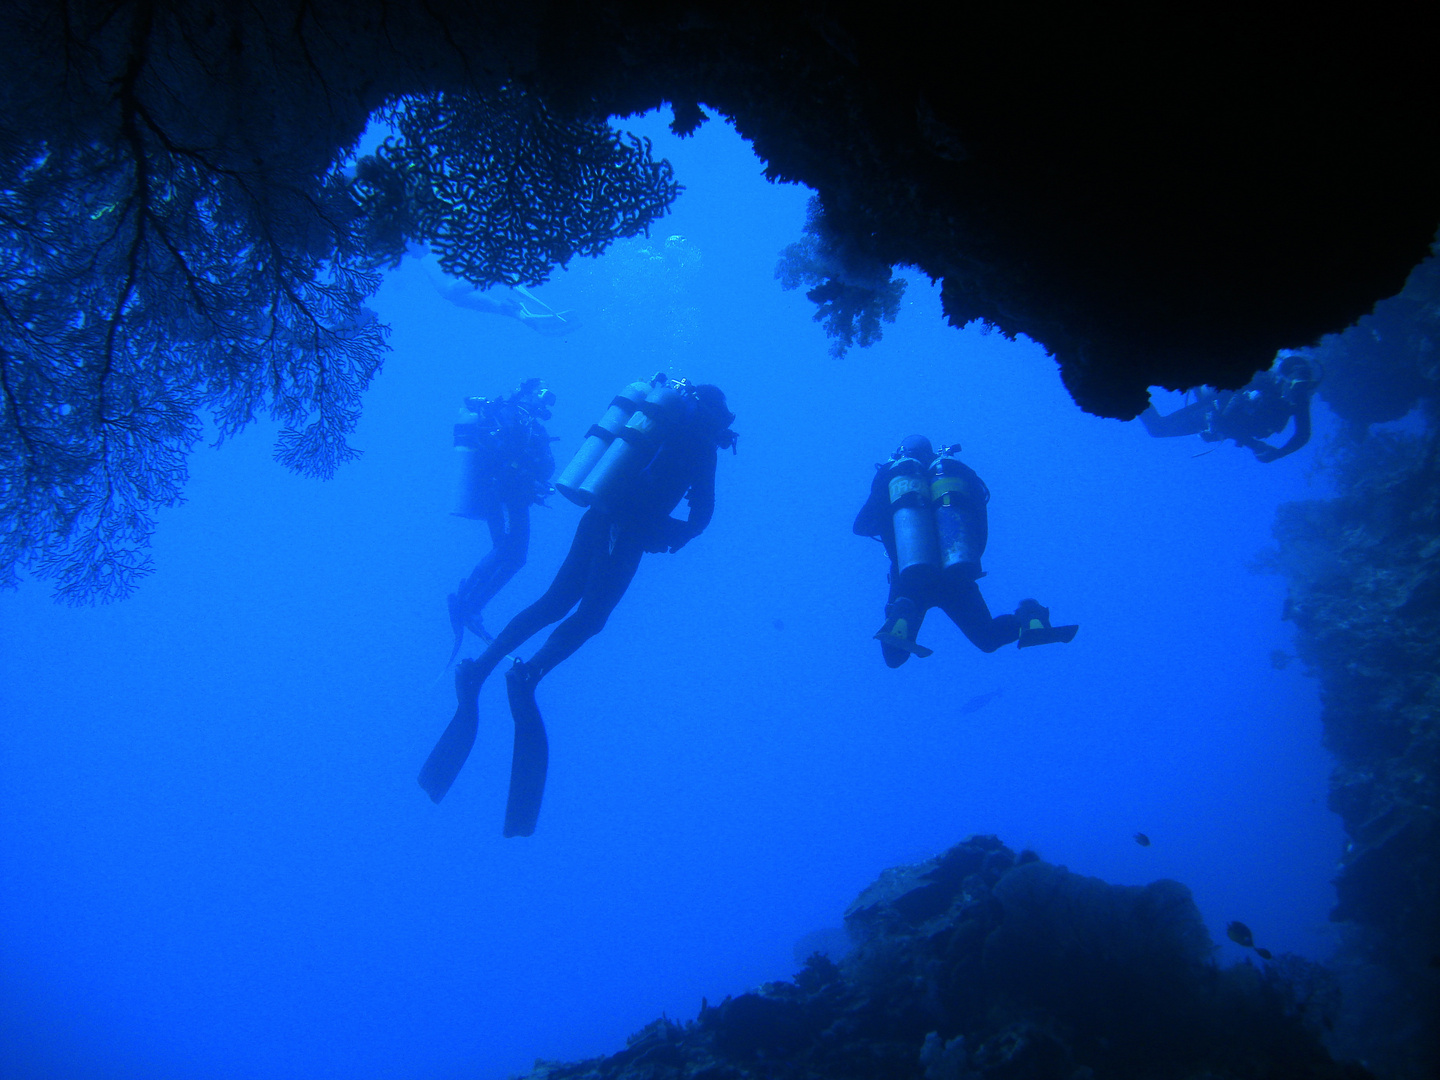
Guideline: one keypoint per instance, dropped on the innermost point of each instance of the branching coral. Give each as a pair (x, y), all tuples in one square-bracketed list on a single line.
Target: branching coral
[(503, 190), (144, 284), (852, 291), (148, 281)]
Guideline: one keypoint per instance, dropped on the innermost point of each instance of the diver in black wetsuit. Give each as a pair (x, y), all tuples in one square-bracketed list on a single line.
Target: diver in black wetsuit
[(507, 466), (1250, 415), (671, 443), (929, 510)]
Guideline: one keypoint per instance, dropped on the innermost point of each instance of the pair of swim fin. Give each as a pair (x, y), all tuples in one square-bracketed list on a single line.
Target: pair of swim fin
[(529, 761)]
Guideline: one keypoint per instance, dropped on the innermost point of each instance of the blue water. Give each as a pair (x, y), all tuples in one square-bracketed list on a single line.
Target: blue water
[(215, 861)]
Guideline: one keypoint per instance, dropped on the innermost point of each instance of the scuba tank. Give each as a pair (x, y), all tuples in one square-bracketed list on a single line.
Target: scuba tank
[(633, 446), (917, 550), (475, 446), (957, 500), (598, 440)]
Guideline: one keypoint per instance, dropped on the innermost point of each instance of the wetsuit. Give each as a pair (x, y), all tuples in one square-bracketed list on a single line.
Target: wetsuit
[(606, 552), (955, 594), (1247, 416)]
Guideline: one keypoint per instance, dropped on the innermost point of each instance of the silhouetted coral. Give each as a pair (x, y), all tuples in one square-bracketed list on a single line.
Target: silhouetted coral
[(851, 291), (502, 190), (144, 285)]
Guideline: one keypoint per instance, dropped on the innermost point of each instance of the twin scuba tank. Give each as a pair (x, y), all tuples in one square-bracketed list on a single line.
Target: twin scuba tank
[(623, 442), (940, 519)]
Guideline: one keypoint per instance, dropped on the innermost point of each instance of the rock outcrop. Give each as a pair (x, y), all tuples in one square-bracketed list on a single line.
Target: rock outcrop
[(981, 965), (1155, 205), (1364, 595)]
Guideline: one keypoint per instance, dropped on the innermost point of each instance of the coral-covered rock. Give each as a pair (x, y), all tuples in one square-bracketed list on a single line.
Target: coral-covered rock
[(976, 965), (1364, 594)]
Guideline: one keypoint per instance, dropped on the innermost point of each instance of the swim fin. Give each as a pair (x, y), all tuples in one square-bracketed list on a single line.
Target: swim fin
[(455, 742), (901, 626), (898, 639), (531, 758), (1035, 628)]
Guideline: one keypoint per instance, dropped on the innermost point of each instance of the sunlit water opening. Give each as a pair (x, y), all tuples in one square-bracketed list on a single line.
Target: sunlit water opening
[(217, 862)]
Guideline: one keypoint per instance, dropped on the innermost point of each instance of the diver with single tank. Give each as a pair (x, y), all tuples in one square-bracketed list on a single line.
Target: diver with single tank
[(656, 444), (929, 510), (1264, 407), (505, 467)]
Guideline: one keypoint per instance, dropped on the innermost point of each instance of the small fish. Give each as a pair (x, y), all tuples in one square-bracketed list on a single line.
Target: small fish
[(1264, 954), (979, 701), (778, 624), (1239, 933), (1142, 839), (1280, 659)]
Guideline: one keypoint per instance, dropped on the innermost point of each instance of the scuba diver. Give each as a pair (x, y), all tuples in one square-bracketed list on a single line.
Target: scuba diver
[(928, 509), (656, 444), (505, 465), (1250, 415)]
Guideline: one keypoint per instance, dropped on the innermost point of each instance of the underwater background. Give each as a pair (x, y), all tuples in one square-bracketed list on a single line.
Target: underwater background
[(214, 858)]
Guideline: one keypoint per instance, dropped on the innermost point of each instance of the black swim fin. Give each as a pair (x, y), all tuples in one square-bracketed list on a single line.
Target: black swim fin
[(901, 626), (1035, 628), (900, 641), (448, 758), (531, 758)]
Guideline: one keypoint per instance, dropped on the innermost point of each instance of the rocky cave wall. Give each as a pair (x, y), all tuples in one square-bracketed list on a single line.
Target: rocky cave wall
[(1158, 203)]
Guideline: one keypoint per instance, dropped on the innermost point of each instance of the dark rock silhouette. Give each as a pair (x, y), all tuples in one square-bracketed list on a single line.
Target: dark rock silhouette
[(981, 964), (1155, 207)]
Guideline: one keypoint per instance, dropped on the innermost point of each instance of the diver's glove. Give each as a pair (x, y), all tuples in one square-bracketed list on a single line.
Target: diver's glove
[(678, 534)]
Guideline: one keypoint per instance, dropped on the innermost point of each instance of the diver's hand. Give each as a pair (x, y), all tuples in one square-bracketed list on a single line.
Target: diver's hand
[(678, 534)]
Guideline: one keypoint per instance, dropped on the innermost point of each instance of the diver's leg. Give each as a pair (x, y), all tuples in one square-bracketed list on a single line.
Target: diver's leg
[(1190, 420), (610, 572), (961, 600), (510, 542), (612, 576), (448, 757), (903, 617), (474, 591), (572, 582)]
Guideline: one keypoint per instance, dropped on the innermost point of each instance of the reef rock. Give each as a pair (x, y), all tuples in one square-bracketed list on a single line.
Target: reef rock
[(981, 965), (1364, 595), (1157, 201)]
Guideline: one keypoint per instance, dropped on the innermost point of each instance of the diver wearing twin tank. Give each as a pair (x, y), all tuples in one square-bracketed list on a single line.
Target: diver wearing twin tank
[(1250, 415), (506, 466), (662, 448), (929, 510)]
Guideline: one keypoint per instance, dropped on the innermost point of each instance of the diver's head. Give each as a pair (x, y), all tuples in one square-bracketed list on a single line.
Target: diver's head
[(1296, 368), (534, 397), (916, 446), (713, 415)]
